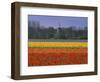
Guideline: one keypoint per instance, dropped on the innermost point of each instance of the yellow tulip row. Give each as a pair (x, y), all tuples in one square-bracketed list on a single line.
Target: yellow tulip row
[(57, 44)]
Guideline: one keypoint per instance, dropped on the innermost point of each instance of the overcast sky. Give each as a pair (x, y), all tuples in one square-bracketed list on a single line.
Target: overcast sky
[(64, 21)]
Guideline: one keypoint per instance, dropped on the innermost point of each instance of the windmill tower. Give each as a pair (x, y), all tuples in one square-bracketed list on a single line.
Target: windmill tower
[(58, 31), (58, 28)]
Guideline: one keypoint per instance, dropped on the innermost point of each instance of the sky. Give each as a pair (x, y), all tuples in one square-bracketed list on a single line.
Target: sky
[(64, 21)]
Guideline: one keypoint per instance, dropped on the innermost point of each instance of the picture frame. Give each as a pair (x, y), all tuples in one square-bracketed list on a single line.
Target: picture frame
[(23, 12)]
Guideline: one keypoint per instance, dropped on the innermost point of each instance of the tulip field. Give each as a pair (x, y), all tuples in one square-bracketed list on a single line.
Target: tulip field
[(57, 53)]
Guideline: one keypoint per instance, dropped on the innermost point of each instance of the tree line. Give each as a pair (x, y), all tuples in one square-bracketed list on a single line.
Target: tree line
[(37, 31)]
